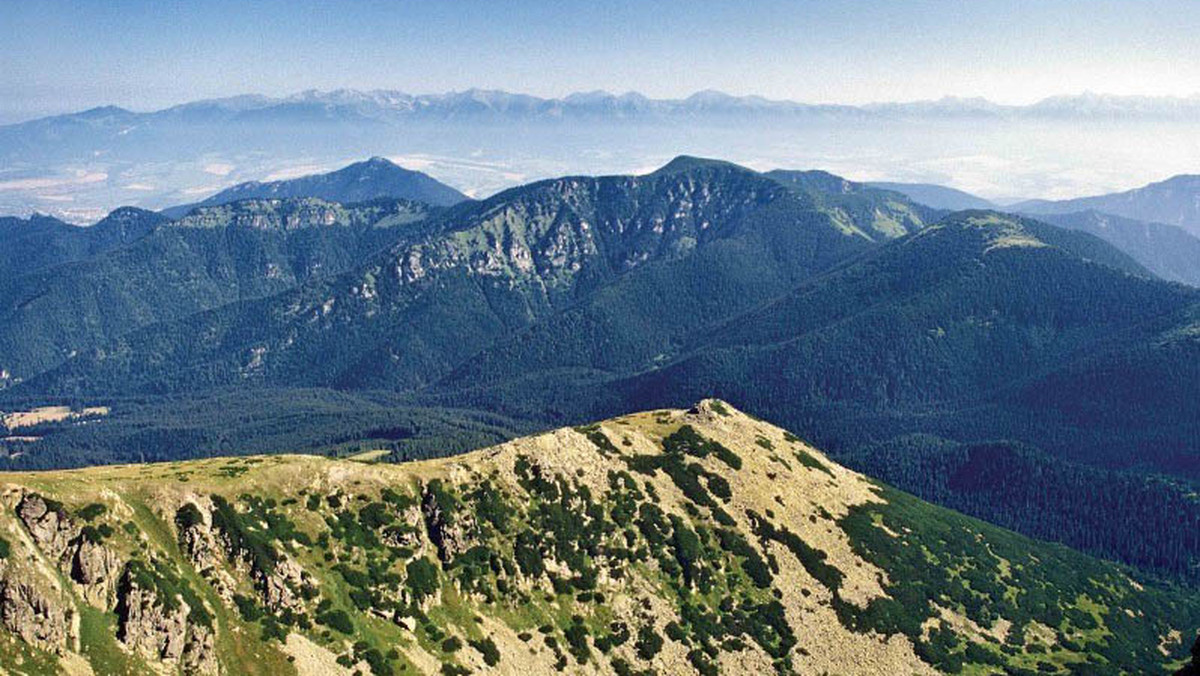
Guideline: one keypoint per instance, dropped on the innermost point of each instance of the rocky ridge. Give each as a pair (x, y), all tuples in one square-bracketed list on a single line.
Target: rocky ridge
[(665, 542)]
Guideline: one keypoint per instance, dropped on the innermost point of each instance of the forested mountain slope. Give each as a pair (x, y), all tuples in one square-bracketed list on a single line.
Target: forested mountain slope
[(40, 242), (213, 256), (407, 316), (1168, 251)]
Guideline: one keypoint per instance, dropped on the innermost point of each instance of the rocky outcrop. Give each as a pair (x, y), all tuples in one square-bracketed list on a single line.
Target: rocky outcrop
[(97, 570), (278, 585), (146, 624), (51, 529), (157, 623), (36, 617), (88, 563), (407, 534), (194, 524), (199, 653), (198, 542), (278, 588), (161, 629), (450, 532)]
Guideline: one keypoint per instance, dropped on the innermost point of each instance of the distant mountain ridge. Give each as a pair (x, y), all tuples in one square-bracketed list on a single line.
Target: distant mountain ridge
[(40, 242), (383, 105), (1174, 201), (376, 178), (213, 256), (936, 196), (411, 313)]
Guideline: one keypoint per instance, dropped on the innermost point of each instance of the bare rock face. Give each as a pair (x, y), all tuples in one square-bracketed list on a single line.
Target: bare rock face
[(52, 530), (408, 536), (97, 570), (147, 625), (199, 653), (278, 588), (450, 533), (194, 524), (207, 548), (36, 617), (92, 566), (199, 543)]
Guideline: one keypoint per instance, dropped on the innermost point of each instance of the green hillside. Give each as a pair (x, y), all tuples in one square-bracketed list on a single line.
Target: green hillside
[(666, 542)]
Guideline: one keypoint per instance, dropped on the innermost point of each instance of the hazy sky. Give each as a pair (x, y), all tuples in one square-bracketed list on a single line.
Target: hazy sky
[(143, 54)]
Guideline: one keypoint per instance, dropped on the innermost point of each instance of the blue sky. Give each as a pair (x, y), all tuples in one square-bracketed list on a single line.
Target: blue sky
[(143, 54)]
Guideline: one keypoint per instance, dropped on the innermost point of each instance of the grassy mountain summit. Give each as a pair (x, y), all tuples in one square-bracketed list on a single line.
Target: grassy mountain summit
[(666, 542), (373, 179)]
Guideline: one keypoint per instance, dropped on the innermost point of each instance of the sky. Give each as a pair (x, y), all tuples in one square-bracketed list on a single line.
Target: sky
[(147, 54)]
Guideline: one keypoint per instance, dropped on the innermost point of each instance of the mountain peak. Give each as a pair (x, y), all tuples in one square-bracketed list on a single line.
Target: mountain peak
[(379, 161), (686, 163), (374, 178), (104, 111)]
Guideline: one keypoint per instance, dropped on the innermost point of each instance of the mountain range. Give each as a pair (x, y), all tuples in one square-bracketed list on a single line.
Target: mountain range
[(983, 342), (389, 105), (663, 542), (404, 317), (79, 166)]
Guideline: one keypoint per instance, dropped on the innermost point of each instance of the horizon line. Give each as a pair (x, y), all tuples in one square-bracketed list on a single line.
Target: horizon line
[(871, 106)]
